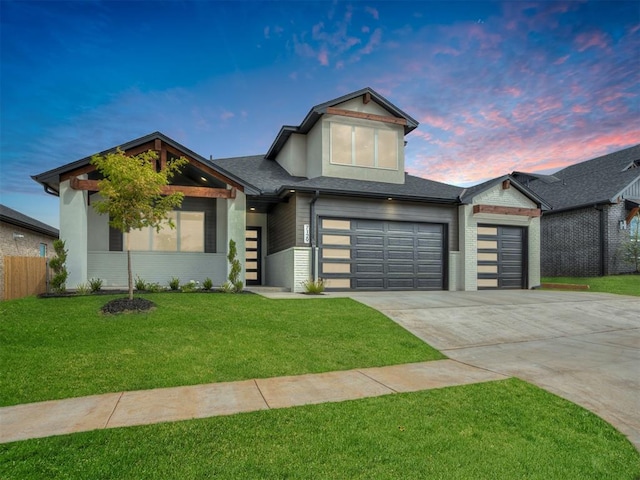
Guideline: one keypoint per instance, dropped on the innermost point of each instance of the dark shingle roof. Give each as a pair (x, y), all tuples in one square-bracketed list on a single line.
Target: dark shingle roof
[(595, 181), (14, 217), (269, 177)]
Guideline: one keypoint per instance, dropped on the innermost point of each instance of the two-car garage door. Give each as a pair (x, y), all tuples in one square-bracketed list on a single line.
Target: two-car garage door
[(374, 254)]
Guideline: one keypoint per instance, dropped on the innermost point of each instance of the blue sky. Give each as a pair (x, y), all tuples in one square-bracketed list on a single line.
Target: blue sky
[(496, 86)]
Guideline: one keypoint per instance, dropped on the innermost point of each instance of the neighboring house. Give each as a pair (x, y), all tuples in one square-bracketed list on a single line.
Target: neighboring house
[(330, 200), (23, 236), (592, 205)]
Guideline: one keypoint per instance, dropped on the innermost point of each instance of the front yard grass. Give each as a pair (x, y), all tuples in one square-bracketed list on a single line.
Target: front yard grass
[(498, 430), (63, 347), (620, 284)]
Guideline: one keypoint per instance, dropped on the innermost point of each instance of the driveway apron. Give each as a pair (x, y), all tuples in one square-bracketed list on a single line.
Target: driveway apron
[(582, 346)]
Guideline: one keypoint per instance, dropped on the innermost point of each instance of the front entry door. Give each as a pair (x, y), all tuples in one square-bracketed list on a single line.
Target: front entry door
[(253, 256)]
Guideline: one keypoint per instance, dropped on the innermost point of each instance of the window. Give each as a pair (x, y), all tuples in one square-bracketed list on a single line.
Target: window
[(364, 146), (43, 249), (634, 228), (188, 236)]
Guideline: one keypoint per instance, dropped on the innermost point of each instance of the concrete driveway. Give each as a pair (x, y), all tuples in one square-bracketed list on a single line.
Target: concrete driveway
[(584, 347)]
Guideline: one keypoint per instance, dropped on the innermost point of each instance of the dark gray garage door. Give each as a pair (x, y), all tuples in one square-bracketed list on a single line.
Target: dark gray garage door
[(376, 255), (501, 256)]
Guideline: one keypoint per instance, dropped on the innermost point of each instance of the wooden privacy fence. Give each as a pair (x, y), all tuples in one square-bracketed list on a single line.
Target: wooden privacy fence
[(24, 276)]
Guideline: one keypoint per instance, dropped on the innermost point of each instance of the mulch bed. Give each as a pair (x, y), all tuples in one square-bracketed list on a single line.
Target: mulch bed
[(124, 305)]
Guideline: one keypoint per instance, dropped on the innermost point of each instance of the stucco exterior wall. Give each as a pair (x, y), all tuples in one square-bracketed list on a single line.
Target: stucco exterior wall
[(289, 268), (27, 246), (74, 215)]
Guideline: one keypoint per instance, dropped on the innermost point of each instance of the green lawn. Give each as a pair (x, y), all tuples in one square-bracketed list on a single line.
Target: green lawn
[(498, 430), (621, 284), (63, 347)]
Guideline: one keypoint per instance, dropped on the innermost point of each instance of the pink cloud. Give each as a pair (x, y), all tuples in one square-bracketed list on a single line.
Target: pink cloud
[(561, 60), (323, 58), (580, 109), (373, 12), (584, 41), (226, 115)]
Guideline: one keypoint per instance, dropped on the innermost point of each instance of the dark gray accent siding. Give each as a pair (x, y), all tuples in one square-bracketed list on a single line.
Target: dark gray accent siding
[(281, 226), (189, 204), (377, 209)]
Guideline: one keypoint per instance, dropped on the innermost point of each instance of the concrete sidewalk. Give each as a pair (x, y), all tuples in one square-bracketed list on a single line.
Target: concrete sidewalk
[(59, 417)]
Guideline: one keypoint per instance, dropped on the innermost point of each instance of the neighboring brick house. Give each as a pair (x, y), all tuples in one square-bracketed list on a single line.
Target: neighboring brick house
[(23, 236), (592, 204)]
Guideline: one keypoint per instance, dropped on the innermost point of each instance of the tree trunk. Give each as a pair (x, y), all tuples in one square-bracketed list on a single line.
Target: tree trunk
[(129, 274)]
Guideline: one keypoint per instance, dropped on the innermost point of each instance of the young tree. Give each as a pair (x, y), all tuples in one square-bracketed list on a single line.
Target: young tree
[(132, 193)]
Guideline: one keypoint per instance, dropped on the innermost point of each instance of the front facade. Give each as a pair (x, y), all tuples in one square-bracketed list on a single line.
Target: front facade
[(329, 200)]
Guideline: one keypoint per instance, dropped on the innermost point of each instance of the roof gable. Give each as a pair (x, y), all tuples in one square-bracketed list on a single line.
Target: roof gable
[(508, 181), (367, 94)]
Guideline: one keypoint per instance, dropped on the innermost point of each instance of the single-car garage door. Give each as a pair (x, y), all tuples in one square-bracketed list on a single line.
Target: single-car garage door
[(377, 255), (501, 257)]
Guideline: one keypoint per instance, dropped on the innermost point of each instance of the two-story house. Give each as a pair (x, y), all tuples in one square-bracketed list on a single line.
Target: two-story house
[(330, 199)]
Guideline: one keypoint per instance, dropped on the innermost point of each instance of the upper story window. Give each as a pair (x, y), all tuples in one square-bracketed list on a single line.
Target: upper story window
[(364, 146), (188, 236), (43, 249)]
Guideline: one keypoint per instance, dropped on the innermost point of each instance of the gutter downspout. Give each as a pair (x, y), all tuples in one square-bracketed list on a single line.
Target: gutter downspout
[(603, 249), (312, 233)]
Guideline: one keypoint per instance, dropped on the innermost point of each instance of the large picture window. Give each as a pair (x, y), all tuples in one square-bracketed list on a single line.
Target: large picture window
[(364, 146), (188, 236)]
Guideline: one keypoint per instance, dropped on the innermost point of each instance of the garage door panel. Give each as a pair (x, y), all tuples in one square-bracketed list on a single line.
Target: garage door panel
[(394, 241), (400, 283), (368, 283), (362, 240), (385, 254), (400, 255), (406, 268), (368, 268), (372, 225)]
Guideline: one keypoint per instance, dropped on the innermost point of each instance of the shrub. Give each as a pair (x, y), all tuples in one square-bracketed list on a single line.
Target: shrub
[(313, 287), (235, 284), (95, 284), (190, 287), (140, 284), (154, 287), (82, 289), (174, 283), (58, 266), (207, 284), (227, 287)]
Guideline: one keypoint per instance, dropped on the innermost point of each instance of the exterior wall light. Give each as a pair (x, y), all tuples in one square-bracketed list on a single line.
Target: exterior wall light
[(17, 235)]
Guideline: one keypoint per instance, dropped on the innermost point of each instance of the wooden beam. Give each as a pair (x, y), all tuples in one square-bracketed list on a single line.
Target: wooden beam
[(157, 144), (367, 116), (78, 184), (528, 212), (200, 192), (78, 171), (205, 168), (632, 213), (366, 98), (506, 184), (163, 158)]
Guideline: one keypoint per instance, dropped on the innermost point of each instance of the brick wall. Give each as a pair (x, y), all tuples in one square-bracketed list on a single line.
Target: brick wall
[(28, 246), (571, 242)]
